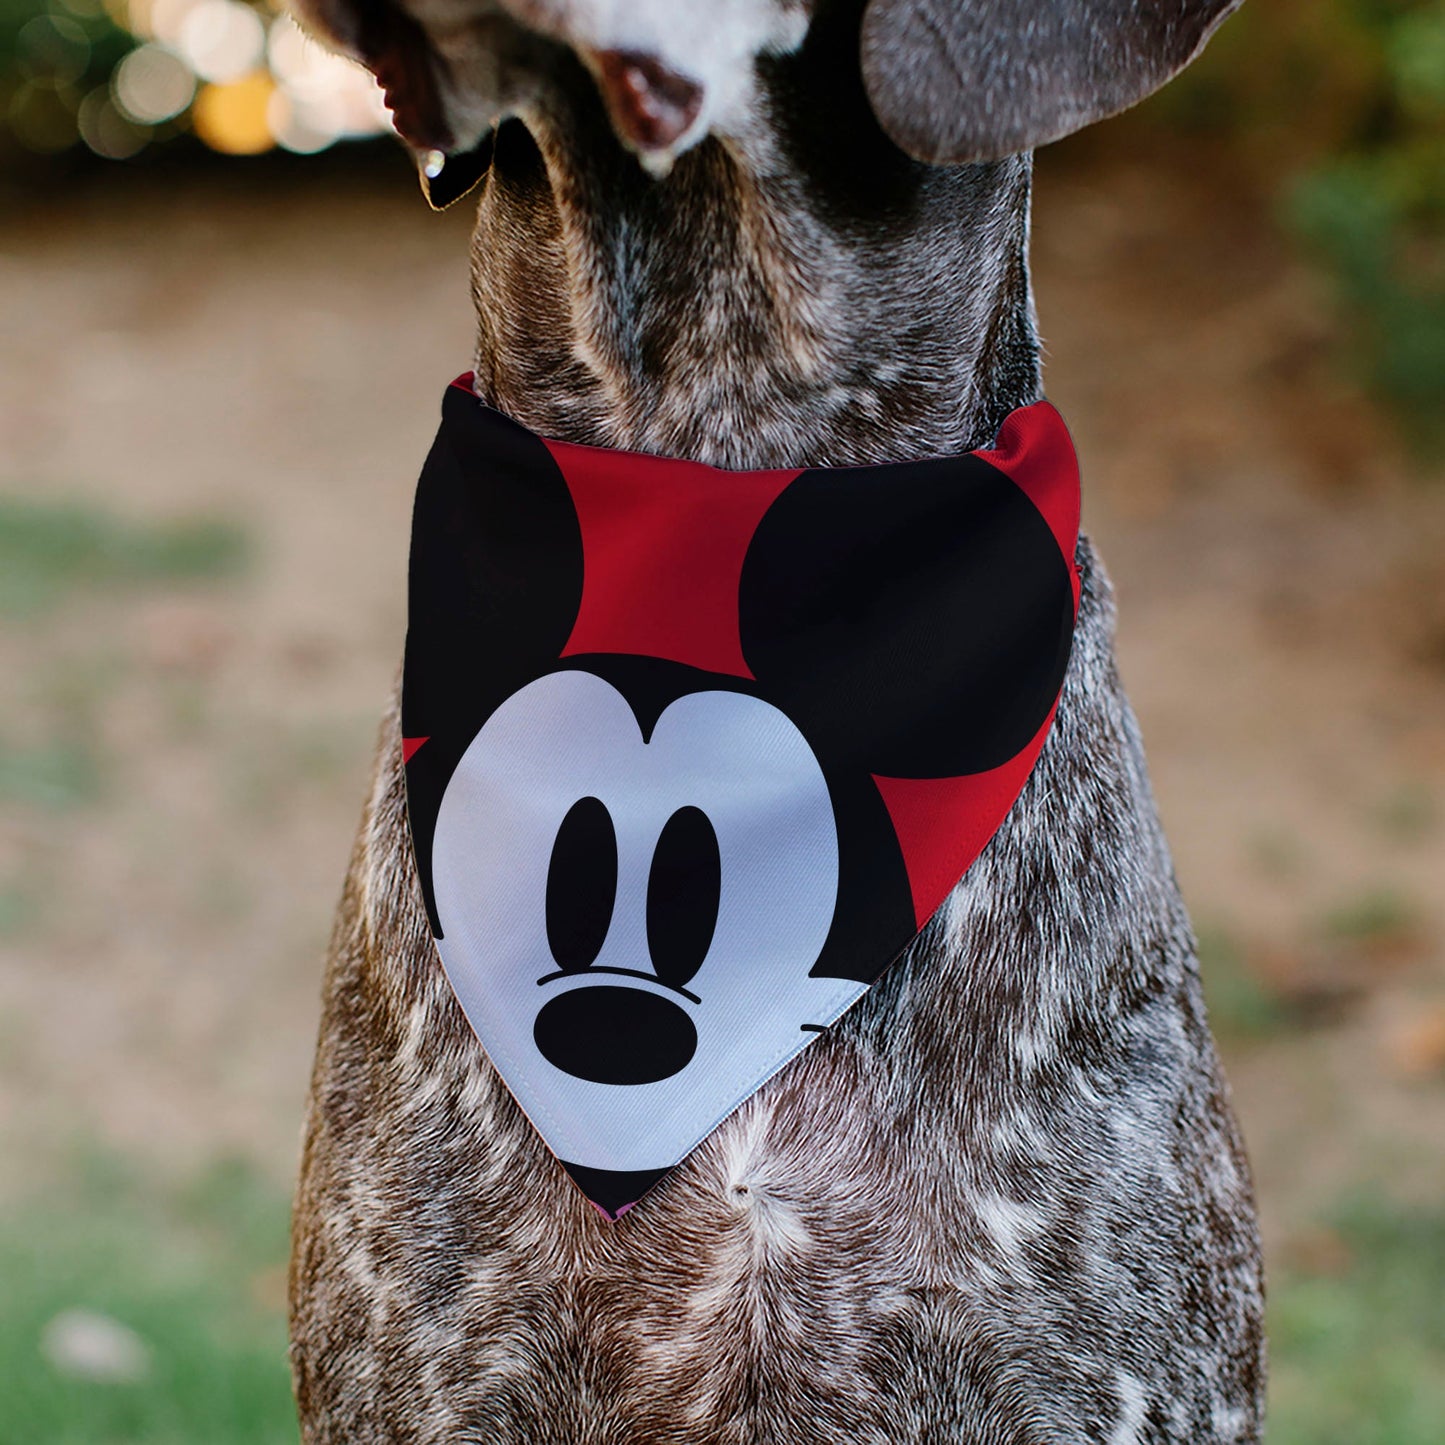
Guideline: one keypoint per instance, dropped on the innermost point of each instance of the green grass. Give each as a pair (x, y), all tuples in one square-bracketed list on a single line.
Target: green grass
[(49, 550), (1376, 915), (1278, 854), (56, 777), (194, 1275), (1358, 1355), (1241, 1005), (1408, 814), (17, 909)]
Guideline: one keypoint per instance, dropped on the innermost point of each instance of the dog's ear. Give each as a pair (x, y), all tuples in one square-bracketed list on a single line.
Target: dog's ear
[(975, 80)]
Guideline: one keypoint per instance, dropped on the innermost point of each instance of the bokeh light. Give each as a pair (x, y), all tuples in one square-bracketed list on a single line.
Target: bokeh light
[(42, 114), (233, 117), (106, 130), (221, 40), (320, 97), (119, 75), (56, 45), (152, 84)]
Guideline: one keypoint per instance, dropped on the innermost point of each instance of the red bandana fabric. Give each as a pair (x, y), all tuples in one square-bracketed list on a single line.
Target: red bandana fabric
[(692, 755)]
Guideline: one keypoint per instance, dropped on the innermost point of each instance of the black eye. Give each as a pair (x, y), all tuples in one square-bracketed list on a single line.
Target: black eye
[(682, 896), (581, 885)]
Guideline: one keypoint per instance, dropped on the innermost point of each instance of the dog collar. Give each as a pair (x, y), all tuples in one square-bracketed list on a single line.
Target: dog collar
[(692, 755)]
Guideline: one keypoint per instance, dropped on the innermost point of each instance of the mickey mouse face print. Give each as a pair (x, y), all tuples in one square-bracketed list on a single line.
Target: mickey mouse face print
[(692, 754)]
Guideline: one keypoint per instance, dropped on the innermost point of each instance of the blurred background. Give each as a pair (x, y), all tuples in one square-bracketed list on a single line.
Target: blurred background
[(226, 318)]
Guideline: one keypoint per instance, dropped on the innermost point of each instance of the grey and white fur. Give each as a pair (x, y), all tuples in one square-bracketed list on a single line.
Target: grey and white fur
[(1004, 1199)]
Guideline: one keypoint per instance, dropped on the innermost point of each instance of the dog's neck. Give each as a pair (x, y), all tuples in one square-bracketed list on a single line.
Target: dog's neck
[(802, 296)]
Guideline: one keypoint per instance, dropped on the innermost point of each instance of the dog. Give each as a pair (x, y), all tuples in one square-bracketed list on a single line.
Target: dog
[(1003, 1199)]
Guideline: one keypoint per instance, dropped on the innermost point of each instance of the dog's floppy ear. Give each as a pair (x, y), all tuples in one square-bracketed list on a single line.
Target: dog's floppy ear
[(975, 80)]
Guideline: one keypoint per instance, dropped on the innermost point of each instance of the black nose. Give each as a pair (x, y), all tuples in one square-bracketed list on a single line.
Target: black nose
[(611, 1035)]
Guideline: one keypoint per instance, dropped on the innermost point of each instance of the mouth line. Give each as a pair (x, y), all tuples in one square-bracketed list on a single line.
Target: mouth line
[(625, 972), (448, 176)]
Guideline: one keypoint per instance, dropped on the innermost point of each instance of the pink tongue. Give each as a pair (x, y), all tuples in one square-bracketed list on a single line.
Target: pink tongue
[(651, 106)]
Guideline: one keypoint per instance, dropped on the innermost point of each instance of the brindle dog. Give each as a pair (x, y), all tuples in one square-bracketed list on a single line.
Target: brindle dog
[(1003, 1200)]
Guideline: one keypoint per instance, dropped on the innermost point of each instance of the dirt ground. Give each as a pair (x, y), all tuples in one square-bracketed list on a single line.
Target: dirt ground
[(273, 355)]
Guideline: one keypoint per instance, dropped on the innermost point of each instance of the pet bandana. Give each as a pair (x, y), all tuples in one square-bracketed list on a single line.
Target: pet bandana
[(692, 755)]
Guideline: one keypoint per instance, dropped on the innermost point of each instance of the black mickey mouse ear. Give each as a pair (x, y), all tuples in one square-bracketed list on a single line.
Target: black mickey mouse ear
[(495, 585), (915, 621), (445, 179), (496, 567)]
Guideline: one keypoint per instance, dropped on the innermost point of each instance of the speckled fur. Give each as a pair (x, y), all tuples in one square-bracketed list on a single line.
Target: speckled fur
[(1004, 1199)]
